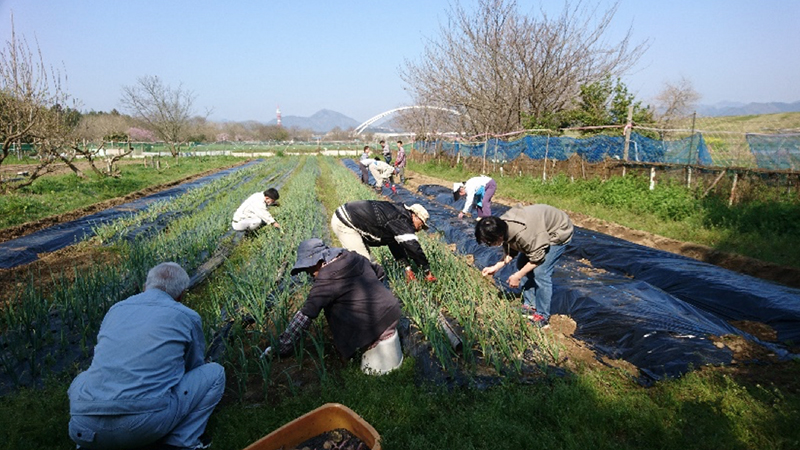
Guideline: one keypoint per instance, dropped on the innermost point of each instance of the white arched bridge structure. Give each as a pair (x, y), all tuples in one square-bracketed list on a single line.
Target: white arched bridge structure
[(380, 116)]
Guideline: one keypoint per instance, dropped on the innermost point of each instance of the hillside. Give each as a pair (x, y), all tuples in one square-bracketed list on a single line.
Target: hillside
[(322, 121), (741, 109)]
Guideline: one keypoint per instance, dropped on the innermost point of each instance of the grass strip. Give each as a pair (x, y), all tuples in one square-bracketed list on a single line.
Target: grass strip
[(57, 194)]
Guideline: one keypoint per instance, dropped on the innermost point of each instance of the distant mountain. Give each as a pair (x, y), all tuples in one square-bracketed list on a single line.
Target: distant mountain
[(750, 109), (322, 121)]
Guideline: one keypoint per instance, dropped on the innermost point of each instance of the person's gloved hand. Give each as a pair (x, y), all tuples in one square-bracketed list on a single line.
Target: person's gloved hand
[(429, 277), (410, 275)]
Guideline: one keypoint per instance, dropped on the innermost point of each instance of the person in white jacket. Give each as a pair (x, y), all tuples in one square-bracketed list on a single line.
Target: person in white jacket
[(479, 192), (382, 172), (253, 214)]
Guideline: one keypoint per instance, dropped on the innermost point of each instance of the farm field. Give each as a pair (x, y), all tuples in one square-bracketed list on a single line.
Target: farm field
[(518, 387), (60, 196)]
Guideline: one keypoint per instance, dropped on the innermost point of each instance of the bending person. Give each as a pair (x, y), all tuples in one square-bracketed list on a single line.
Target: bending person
[(361, 312), (147, 382), (541, 233), (382, 172), (479, 192), (372, 223), (253, 214), (363, 165)]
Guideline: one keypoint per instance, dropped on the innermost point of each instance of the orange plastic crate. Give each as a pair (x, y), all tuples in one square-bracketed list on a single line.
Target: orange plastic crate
[(327, 417)]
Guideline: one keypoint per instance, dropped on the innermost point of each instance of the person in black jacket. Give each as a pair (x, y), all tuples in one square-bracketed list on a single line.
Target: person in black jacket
[(372, 223), (360, 310)]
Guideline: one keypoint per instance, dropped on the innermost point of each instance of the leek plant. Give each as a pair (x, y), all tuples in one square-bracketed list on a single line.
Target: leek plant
[(77, 303), (256, 285), (492, 331)]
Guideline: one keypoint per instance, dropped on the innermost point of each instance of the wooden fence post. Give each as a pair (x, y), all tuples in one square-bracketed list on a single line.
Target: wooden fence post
[(652, 178), (716, 180), (691, 146), (733, 188), (628, 126)]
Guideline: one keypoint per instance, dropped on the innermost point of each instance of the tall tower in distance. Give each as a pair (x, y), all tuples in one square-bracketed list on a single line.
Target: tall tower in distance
[(279, 115)]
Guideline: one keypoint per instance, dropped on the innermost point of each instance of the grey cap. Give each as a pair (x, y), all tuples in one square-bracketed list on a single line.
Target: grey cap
[(309, 253)]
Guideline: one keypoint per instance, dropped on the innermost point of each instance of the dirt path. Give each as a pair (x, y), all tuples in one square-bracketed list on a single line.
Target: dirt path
[(787, 275)]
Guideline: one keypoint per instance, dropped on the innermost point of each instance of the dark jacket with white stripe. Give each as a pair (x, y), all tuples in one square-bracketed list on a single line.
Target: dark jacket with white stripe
[(385, 223)]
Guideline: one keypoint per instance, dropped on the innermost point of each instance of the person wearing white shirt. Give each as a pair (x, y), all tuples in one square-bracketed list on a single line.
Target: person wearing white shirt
[(382, 172), (253, 214), (479, 192)]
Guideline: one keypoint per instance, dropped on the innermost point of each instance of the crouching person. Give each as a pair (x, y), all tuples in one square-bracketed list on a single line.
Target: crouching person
[(252, 214), (147, 382), (361, 312)]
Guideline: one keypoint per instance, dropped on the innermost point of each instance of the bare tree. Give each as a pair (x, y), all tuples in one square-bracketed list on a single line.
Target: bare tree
[(497, 65), (428, 123), (90, 141), (675, 102), (165, 110), (30, 103)]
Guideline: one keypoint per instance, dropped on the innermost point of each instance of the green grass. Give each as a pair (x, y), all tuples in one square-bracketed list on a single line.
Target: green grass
[(767, 228), (57, 194), (599, 409)]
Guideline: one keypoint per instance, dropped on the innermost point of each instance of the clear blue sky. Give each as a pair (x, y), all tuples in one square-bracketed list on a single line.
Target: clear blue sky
[(244, 58)]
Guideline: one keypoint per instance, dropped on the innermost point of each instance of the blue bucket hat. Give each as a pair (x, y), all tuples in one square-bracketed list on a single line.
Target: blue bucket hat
[(309, 253)]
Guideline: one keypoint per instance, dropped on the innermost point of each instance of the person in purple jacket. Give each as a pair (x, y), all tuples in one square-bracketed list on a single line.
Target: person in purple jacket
[(400, 162)]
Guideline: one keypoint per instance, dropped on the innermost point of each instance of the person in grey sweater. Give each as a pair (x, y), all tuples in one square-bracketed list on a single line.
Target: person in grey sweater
[(540, 234)]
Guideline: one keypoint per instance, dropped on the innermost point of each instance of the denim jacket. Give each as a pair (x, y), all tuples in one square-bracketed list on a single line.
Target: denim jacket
[(145, 345)]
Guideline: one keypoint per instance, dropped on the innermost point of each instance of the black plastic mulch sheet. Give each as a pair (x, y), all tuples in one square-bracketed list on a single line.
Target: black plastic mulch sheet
[(25, 249), (651, 308), (726, 294)]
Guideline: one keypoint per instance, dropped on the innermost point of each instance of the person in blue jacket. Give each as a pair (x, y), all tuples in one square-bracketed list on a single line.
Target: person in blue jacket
[(148, 381)]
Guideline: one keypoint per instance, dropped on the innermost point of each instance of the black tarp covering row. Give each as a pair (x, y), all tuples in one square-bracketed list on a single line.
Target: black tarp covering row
[(722, 292), (651, 308), (25, 249)]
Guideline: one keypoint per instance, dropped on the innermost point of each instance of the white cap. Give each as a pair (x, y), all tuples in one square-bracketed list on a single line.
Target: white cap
[(456, 186), (421, 212)]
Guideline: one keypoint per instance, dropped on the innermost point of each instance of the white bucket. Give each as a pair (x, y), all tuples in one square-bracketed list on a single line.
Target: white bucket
[(384, 357)]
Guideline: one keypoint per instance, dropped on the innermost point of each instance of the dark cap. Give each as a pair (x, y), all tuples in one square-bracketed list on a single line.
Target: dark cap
[(309, 253)]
